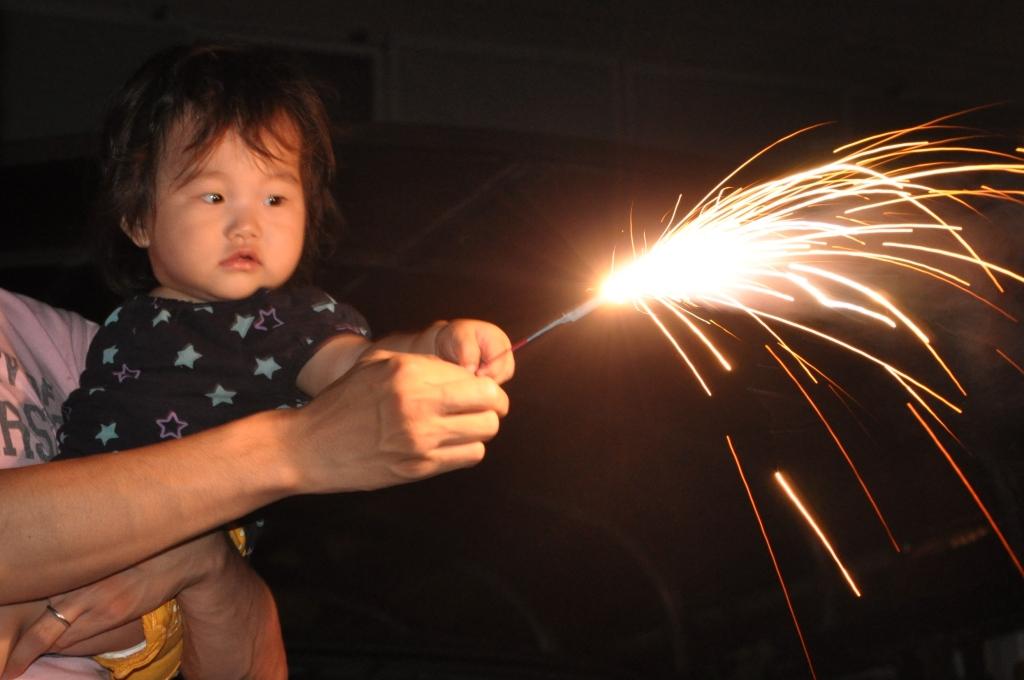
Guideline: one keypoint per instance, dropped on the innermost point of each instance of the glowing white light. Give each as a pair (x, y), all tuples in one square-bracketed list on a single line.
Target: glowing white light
[(696, 264)]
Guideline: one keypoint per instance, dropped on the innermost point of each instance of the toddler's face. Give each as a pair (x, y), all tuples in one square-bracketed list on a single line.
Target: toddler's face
[(228, 226)]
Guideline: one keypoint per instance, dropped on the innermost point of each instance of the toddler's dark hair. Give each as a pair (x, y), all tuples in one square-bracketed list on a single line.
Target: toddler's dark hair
[(209, 89)]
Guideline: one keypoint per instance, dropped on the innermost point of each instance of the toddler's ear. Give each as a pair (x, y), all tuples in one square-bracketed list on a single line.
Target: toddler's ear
[(138, 234)]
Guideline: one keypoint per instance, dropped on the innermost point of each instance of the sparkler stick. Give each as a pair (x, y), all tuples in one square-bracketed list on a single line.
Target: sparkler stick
[(574, 314)]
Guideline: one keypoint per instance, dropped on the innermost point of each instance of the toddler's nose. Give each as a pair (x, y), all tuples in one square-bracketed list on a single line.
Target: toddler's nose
[(244, 227)]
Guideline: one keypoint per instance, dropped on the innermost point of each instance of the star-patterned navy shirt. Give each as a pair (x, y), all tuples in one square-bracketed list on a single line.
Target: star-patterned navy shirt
[(161, 368)]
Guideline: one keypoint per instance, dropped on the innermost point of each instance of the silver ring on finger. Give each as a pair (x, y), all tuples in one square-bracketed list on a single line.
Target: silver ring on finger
[(57, 615)]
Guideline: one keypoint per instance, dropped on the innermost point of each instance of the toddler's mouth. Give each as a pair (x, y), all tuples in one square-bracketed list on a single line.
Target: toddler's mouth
[(241, 259)]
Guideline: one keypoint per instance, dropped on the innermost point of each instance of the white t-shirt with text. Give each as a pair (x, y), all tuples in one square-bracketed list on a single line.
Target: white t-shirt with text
[(42, 353)]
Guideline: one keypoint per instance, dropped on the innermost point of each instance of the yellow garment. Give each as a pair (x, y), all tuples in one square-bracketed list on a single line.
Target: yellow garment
[(159, 658)]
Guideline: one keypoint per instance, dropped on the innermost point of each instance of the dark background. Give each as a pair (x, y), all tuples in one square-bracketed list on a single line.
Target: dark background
[(492, 155)]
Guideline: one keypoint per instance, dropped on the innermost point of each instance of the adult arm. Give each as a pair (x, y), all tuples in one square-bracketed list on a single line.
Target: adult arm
[(232, 628), (393, 418)]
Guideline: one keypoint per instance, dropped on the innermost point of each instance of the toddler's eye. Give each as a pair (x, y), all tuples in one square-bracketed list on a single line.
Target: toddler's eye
[(273, 200), (213, 198)]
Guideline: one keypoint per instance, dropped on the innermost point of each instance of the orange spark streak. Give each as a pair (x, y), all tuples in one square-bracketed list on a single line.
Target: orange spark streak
[(950, 282), (817, 530), (842, 449), (956, 256), (675, 344), (772, 245), (703, 338), (929, 409), (870, 357), (807, 367), (785, 251), (970, 489), (771, 553), (727, 331), (840, 393), (1010, 361)]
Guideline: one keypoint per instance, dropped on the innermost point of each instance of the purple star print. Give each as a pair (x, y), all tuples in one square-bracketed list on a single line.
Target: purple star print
[(125, 373), (265, 314), (171, 426)]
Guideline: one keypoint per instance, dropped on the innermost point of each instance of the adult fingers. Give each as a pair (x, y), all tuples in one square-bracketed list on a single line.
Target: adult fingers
[(34, 641), (463, 412), (466, 345), (87, 626), (499, 368), (70, 606), (467, 428), (121, 637), (472, 395), (441, 460), (93, 609)]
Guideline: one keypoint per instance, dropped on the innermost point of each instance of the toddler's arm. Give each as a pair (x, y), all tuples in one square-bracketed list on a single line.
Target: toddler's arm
[(478, 346)]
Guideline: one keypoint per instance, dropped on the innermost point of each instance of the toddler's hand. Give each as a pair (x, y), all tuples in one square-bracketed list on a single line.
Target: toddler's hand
[(478, 346)]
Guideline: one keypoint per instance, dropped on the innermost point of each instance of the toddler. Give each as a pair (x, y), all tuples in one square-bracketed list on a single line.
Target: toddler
[(217, 164)]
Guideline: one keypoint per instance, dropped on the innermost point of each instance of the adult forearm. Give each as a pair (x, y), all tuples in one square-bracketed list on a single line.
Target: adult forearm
[(231, 628), (392, 419), (68, 523)]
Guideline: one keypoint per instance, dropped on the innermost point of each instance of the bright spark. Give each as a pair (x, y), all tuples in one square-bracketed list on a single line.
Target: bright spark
[(771, 554), (842, 449), (817, 530), (806, 246), (799, 246), (792, 251)]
